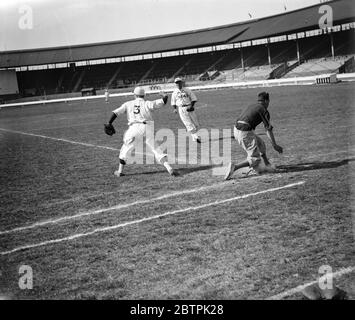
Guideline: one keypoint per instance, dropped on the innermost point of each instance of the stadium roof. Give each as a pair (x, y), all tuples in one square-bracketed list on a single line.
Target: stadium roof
[(285, 23)]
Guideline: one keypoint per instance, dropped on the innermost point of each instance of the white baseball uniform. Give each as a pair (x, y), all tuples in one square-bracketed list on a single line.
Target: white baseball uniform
[(107, 95), (139, 115), (182, 98)]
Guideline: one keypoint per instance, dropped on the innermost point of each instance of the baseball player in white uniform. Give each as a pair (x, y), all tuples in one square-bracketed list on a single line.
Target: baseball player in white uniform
[(139, 115), (107, 95), (184, 99)]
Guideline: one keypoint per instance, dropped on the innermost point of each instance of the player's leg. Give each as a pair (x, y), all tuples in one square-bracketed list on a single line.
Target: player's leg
[(262, 148), (247, 139), (128, 144), (196, 125), (159, 155), (189, 123)]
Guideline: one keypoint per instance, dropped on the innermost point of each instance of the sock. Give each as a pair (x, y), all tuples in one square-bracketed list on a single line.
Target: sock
[(120, 168), (167, 166)]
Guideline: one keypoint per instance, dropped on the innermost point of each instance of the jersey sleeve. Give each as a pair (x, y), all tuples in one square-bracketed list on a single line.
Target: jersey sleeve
[(265, 117), (120, 110), (155, 104)]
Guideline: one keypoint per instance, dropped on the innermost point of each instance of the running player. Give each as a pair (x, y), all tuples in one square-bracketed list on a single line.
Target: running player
[(184, 99)]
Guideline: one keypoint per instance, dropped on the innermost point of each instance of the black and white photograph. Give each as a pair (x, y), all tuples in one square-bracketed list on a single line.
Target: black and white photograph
[(193, 151)]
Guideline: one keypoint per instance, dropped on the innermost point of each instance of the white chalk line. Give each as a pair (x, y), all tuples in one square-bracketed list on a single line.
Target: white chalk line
[(60, 139), (129, 223), (38, 224), (117, 207), (121, 206), (300, 288), (180, 160)]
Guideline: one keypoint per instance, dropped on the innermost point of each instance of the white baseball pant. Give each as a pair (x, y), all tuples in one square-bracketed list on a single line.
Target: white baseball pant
[(189, 119), (135, 132)]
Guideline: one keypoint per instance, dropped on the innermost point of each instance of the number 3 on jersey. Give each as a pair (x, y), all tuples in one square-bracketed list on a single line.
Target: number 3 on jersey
[(137, 109)]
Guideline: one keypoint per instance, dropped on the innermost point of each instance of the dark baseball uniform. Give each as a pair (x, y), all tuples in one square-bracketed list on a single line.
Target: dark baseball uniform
[(244, 133)]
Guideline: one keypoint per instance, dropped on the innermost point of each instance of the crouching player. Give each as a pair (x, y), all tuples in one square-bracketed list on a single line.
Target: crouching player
[(254, 146), (139, 115)]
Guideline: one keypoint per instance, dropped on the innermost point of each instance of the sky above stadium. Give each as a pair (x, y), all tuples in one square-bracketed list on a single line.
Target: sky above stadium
[(26, 24)]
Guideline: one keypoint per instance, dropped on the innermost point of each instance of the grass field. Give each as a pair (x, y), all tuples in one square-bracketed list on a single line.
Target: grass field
[(87, 234)]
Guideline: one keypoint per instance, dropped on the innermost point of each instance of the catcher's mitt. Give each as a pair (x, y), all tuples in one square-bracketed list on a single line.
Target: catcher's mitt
[(109, 129)]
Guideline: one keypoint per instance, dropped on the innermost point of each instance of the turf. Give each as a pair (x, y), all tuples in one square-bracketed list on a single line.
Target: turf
[(249, 248)]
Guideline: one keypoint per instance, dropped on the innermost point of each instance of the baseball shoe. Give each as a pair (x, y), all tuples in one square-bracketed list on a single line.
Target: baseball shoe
[(231, 169), (118, 174), (251, 172), (173, 173), (196, 139), (269, 168)]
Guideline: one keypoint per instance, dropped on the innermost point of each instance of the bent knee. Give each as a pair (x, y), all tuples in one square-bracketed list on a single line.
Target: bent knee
[(254, 161)]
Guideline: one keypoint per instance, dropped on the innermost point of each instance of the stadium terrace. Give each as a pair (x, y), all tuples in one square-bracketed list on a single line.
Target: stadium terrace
[(292, 44)]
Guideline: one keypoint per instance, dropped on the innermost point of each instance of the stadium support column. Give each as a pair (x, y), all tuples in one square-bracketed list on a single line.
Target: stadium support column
[(298, 52), (268, 52), (241, 57), (332, 44)]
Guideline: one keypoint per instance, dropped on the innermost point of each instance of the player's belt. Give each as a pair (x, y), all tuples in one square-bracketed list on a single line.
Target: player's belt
[(139, 122), (243, 126)]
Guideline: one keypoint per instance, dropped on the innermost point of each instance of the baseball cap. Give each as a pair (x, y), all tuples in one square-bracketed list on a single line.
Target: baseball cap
[(262, 96), (177, 80), (139, 91)]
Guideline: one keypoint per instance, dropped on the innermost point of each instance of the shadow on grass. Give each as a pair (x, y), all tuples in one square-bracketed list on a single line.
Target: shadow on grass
[(145, 173), (233, 138), (183, 171), (314, 165)]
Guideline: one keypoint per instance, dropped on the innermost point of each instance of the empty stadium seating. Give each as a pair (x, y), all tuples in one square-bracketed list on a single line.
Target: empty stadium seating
[(316, 67), (223, 65)]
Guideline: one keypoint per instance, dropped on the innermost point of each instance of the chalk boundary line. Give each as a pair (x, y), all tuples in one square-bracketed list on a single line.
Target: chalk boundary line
[(117, 207), (299, 288), (60, 139), (168, 213)]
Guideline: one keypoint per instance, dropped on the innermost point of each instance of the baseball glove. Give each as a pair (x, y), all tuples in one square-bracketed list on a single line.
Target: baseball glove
[(109, 129), (190, 109)]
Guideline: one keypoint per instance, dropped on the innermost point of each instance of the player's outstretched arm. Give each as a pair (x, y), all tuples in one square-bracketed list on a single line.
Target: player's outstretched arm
[(109, 128), (113, 118), (271, 136)]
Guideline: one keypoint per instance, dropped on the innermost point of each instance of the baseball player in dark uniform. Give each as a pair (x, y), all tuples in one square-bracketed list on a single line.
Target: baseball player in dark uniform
[(254, 146)]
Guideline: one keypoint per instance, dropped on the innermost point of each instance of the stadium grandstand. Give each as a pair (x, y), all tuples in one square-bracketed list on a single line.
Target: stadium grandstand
[(291, 44)]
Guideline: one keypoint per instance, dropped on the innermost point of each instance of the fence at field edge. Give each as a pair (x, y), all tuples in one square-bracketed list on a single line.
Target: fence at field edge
[(250, 84)]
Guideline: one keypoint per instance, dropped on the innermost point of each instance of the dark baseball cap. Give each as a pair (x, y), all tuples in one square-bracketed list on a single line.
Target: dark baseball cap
[(262, 96)]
